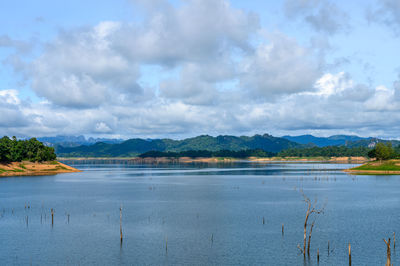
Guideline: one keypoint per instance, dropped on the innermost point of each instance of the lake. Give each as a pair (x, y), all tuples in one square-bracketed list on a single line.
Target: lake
[(197, 214)]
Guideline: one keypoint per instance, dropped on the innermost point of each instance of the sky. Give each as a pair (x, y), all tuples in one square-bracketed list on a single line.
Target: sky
[(182, 68)]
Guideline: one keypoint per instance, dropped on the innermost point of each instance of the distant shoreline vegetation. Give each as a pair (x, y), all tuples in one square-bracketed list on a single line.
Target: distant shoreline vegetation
[(329, 151), (209, 154), (314, 152), (13, 150), (381, 152)]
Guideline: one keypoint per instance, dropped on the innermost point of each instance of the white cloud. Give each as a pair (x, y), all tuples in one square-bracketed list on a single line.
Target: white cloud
[(79, 69), (280, 66), (217, 72), (9, 97), (102, 127), (330, 84), (383, 99), (195, 31)]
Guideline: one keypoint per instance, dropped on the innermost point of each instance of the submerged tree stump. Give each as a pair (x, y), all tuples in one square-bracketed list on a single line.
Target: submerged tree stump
[(120, 224), (349, 254), (388, 253), (52, 217), (311, 209)]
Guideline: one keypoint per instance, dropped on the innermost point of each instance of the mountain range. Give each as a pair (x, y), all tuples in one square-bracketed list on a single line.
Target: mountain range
[(82, 147), (134, 147), (74, 141), (336, 140)]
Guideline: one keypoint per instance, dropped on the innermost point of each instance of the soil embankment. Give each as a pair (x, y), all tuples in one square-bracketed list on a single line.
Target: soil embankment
[(34, 169)]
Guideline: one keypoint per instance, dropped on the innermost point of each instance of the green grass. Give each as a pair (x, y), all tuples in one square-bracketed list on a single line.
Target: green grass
[(22, 166), (384, 166)]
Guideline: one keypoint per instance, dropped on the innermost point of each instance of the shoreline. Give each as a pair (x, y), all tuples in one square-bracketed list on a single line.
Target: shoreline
[(219, 159), (34, 169), (371, 172), (388, 167)]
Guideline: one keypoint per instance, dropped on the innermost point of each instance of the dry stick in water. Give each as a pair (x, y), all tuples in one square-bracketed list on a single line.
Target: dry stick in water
[(120, 223), (318, 255), (328, 248), (349, 254), (283, 230), (52, 217), (388, 259), (310, 209), (394, 240), (309, 237), (263, 220)]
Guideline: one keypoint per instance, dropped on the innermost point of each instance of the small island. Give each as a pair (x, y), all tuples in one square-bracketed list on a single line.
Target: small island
[(29, 158), (386, 162)]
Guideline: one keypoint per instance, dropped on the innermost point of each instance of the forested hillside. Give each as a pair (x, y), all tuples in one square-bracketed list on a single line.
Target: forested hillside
[(134, 147)]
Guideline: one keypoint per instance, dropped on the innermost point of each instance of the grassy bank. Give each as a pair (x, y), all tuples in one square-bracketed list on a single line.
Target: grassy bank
[(31, 168), (378, 167)]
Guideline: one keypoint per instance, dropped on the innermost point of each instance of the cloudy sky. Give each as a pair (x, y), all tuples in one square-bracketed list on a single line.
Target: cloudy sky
[(158, 68)]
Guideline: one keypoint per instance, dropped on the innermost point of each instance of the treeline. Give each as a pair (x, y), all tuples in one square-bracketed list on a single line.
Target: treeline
[(13, 150), (381, 152), (329, 151), (384, 151), (207, 154)]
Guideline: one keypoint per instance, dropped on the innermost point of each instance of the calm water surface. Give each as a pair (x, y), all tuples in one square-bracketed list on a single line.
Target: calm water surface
[(205, 214)]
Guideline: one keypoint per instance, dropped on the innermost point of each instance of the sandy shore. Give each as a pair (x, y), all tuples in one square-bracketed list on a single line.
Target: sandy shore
[(34, 169)]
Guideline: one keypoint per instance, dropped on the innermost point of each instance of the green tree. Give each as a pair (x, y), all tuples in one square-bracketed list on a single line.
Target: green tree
[(13, 150), (384, 151), (5, 147)]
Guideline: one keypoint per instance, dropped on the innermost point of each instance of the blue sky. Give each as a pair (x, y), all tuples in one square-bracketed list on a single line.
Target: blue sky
[(181, 68)]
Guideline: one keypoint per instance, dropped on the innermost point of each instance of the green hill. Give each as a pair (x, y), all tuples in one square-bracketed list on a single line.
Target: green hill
[(134, 147)]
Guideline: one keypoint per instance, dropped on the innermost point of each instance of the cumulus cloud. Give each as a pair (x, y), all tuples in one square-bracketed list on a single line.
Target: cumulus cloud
[(11, 115), (79, 69), (382, 100), (216, 72), (280, 66), (90, 67), (195, 31), (322, 15), (326, 109)]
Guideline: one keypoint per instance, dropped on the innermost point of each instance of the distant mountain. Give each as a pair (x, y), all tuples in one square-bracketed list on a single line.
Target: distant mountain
[(74, 141), (338, 140), (335, 140), (134, 147)]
